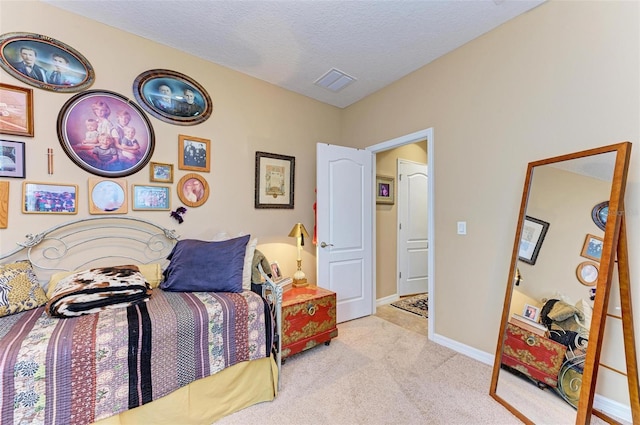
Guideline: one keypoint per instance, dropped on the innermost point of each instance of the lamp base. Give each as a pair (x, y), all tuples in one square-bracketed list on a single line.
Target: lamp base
[(300, 283)]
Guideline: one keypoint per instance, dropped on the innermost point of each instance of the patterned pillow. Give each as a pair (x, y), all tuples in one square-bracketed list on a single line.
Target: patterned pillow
[(19, 288)]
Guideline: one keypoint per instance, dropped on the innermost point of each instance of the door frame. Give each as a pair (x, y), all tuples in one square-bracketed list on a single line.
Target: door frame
[(394, 143)]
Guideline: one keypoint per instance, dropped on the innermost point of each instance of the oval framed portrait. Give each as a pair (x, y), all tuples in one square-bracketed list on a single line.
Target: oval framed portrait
[(172, 97), (105, 133), (193, 190), (45, 62), (599, 214), (587, 273)]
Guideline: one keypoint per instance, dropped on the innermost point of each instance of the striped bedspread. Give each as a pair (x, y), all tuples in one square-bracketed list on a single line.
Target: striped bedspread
[(82, 369)]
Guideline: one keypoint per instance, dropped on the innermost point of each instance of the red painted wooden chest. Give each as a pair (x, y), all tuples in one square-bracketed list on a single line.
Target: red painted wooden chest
[(533, 355), (308, 319)]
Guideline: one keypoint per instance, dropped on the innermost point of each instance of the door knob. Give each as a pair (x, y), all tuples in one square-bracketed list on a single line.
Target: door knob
[(324, 244)]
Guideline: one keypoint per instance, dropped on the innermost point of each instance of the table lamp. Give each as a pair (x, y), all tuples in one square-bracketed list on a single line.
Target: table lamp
[(299, 232)]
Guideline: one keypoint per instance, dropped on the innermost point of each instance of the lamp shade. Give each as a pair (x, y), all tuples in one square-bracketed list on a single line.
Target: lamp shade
[(299, 231)]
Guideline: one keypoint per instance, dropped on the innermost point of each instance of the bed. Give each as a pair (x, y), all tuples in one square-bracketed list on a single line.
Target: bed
[(134, 327)]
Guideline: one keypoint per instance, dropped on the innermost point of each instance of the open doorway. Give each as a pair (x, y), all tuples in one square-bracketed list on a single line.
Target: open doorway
[(388, 295)]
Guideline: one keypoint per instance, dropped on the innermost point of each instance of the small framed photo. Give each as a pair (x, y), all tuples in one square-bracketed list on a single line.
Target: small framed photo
[(172, 97), (276, 273), (49, 198), (12, 163), (385, 190), (592, 248), (587, 273), (108, 196), (151, 197), (533, 233), (194, 153), (44, 62), (16, 110), (531, 312), (159, 172), (193, 190), (275, 177)]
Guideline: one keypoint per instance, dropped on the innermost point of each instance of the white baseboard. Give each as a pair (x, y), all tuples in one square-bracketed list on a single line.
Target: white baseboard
[(610, 407), (387, 300)]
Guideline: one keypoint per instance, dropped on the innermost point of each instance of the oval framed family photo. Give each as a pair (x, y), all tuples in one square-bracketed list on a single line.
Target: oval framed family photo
[(105, 133), (45, 62), (172, 97)]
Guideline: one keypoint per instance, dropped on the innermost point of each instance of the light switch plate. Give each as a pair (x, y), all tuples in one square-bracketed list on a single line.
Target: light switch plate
[(462, 227)]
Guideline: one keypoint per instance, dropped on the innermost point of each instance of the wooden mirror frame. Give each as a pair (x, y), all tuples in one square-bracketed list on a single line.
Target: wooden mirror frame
[(615, 244)]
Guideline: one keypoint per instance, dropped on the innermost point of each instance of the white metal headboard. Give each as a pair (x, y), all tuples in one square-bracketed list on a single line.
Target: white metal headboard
[(94, 242)]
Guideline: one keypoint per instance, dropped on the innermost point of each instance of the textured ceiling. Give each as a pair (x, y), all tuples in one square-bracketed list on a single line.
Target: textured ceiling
[(293, 43)]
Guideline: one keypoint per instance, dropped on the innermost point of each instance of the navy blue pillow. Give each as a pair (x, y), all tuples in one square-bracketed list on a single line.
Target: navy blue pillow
[(201, 266)]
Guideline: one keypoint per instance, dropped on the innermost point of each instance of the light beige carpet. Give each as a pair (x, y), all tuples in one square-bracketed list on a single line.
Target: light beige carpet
[(378, 373)]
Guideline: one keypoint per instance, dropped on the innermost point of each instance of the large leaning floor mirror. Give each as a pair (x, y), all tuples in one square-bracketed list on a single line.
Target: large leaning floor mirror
[(566, 335)]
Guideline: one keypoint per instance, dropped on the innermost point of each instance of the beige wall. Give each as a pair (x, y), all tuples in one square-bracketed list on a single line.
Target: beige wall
[(387, 218), (249, 115), (560, 78)]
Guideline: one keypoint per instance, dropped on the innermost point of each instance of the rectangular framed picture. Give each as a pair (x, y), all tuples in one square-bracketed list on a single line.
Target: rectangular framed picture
[(276, 273), (533, 233), (159, 172), (385, 190), (194, 153), (151, 197), (592, 248), (275, 176), (12, 162), (49, 198), (531, 312), (108, 196), (16, 110)]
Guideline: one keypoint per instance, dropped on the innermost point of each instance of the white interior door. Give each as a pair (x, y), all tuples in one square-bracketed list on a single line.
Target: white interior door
[(344, 208), (413, 235)]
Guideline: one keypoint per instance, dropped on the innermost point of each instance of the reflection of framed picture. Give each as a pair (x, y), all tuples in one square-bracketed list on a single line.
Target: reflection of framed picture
[(587, 273), (193, 190), (592, 248), (49, 198), (533, 233), (275, 176), (105, 133), (44, 62), (12, 163), (531, 312), (599, 214), (108, 196), (151, 197), (385, 190), (172, 97), (4, 204), (159, 172), (194, 153), (16, 110), (276, 273)]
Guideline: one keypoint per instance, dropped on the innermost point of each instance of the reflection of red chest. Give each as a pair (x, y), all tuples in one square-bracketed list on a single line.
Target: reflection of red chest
[(308, 319), (537, 357)]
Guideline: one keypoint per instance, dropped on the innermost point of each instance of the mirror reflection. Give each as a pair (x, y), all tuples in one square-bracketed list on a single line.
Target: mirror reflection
[(551, 306)]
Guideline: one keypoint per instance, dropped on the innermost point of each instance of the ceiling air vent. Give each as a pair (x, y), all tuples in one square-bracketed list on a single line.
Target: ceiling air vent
[(334, 80)]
